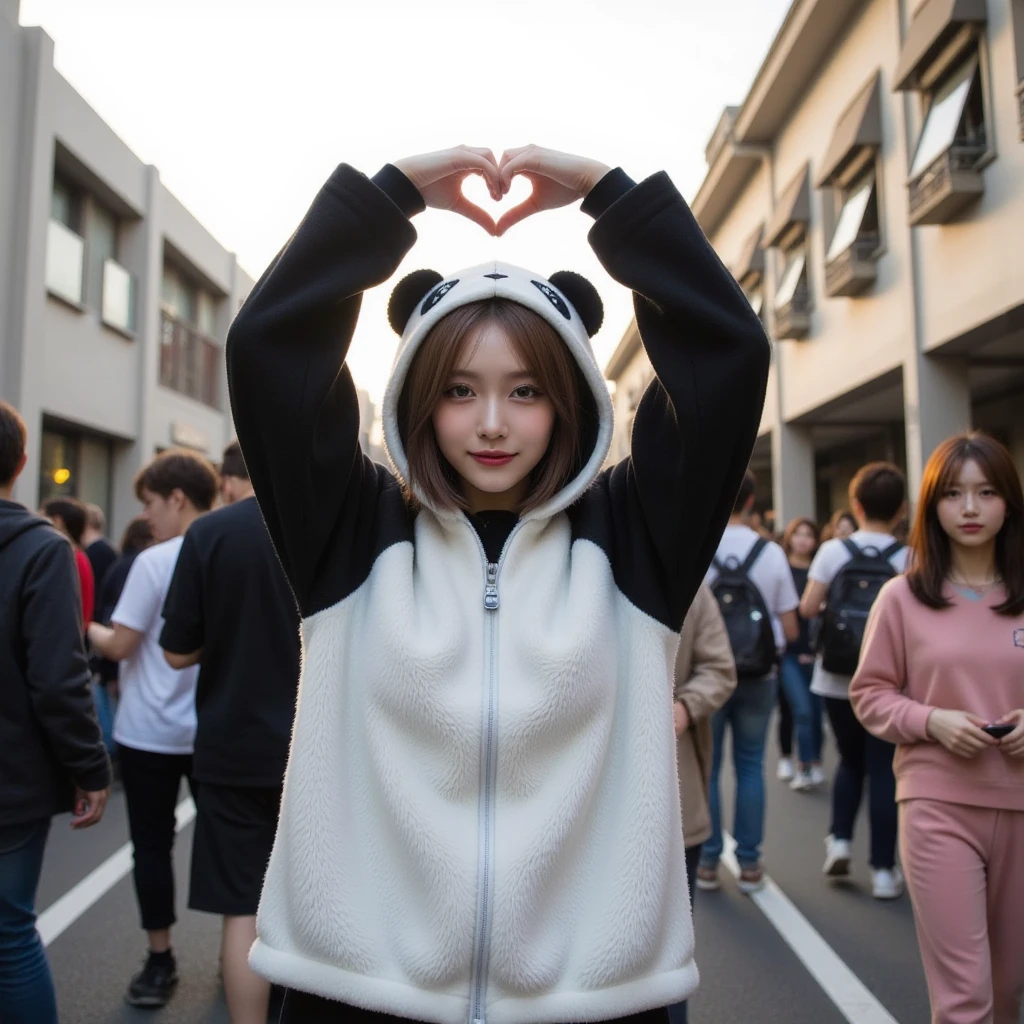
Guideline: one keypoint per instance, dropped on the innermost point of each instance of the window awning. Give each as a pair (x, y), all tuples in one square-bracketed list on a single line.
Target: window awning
[(794, 208), (859, 127), (931, 28), (751, 259)]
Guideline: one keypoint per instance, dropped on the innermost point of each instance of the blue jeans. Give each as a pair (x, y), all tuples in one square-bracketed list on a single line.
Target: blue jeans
[(105, 715), (26, 985), (747, 713), (806, 707)]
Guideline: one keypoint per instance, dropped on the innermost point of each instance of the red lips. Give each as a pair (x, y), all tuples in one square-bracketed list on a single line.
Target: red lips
[(493, 457)]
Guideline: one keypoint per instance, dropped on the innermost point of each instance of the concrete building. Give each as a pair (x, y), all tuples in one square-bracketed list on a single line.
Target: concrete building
[(114, 301), (868, 195)]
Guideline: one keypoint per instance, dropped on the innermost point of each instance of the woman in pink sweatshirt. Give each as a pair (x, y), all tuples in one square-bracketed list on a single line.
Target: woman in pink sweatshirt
[(942, 675)]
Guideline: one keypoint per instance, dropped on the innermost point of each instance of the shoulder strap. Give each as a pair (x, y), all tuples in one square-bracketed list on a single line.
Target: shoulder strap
[(748, 563), (855, 552), (890, 550)]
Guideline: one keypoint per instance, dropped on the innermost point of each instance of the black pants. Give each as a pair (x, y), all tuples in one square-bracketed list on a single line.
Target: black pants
[(785, 725), (863, 755), (151, 786), (300, 1008)]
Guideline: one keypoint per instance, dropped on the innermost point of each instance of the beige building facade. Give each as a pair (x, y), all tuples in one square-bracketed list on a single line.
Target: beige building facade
[(868, 195)]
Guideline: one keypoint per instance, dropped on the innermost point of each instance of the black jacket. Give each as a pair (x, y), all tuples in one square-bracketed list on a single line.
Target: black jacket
[(49, 738)]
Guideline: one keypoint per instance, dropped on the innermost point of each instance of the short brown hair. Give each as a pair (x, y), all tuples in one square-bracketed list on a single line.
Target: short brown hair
[(180, 469), (880, 488), (792, 526), (233, 464), (746, 491), (541, 350), (13, 438), (72, 512), (929, 541)]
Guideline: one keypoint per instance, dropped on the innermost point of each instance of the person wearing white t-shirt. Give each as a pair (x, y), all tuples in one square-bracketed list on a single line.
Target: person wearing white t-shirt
[(878, 500), (748, 711), (155, 723)]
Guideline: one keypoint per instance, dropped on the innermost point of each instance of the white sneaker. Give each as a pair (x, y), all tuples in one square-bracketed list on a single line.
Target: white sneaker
[(784, 770), (887, 885), (817, 775), (802, 781), (837, 857)]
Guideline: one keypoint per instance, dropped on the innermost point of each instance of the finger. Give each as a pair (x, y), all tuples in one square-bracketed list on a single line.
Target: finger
[(527, 208), (974, 719), (467, 160), (518, 164), (467, 209), (1009, 718), (492, 180), (510, 154)]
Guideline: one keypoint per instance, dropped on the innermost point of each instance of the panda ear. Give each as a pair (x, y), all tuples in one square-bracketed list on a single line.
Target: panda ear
[(583, 296), (407, 293)]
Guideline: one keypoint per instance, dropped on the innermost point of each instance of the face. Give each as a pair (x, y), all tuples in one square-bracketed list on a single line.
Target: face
[(163, 514), (845, 527), (493, 424), (802, 541), (971, 510), (230, 489)]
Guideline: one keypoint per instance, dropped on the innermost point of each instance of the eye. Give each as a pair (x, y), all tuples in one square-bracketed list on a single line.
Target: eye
[(951, 493), (526, 391), (459, 391)]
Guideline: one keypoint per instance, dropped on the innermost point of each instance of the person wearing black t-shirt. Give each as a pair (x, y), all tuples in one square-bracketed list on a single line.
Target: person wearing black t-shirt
[(230, 610)]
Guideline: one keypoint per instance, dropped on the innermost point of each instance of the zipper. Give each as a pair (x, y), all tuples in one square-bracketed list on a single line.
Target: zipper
[(488, 778)]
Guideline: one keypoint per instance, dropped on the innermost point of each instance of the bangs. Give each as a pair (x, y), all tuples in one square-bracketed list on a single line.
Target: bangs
[(542, 352)]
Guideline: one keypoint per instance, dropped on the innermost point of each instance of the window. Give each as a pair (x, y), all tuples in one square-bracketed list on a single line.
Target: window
[(792, 295), (850, 260), (65, 248), (956, 117), (190, 360), (100, 246), (75, 465)]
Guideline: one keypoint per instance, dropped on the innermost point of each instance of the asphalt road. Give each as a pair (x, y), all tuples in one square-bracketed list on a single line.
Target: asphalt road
[(749, 972)]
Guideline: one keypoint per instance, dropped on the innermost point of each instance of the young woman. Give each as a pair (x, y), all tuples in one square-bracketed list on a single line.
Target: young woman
[(481, 809), (800, 542), (841, 525), (942, 676)]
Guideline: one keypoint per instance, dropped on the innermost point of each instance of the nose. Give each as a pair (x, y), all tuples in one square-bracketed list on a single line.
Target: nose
[(970, 504), (492, 422)]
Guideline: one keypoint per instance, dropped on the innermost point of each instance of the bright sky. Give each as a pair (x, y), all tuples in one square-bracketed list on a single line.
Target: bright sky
[(246, 106)]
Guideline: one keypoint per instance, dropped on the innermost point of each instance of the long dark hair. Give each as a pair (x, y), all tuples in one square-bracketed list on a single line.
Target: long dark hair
[(930, 543)]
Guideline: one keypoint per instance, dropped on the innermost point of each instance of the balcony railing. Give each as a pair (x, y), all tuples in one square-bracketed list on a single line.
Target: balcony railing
[(189, 361), (793, 320), (65, 260), (118, 297), (853, 269), (938, 194)]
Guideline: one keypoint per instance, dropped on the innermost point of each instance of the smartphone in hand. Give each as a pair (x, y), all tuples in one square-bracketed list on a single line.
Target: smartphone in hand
[(998, 731)]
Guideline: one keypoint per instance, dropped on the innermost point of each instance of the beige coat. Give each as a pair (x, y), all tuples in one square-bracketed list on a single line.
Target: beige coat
[(705, 679)]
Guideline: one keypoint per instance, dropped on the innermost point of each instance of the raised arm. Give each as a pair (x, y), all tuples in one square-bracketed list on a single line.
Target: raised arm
[(292, 397), (697, 422)]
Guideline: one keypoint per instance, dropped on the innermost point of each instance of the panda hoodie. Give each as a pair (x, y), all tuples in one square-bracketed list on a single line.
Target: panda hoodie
[(480, 820)]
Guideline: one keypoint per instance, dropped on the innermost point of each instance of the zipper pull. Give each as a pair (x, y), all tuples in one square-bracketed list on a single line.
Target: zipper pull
[(491, 589)]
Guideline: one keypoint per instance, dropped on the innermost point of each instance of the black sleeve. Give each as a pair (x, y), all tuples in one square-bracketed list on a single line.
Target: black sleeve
[(184, 613), (56, 668), (292, 396), (697, 422)]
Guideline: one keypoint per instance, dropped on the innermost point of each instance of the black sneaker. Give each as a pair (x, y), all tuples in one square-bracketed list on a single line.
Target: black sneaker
[(153, 985)]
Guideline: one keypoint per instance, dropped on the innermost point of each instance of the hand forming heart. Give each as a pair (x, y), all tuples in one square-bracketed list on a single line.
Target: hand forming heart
[(558, 179)]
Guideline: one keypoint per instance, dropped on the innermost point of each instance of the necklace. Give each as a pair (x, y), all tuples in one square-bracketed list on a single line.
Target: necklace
[(974, 591)]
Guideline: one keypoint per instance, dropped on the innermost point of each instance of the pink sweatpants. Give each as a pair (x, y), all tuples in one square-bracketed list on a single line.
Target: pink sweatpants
[(965, 871)]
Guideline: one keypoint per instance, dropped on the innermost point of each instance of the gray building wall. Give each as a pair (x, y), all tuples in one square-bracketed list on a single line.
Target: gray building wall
[(60, 364)]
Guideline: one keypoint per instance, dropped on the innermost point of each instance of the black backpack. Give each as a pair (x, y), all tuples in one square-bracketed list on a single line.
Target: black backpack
[(850, 597), (746, 617)]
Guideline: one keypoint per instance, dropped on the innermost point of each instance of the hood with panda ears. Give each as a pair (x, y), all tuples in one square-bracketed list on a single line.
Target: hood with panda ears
[(567, 301)]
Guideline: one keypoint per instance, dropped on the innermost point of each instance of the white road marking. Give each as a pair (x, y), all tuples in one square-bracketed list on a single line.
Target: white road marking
[(853, 999), (59, 916)]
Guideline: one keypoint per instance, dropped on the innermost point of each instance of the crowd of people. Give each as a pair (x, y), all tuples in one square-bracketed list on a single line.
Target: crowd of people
[(527, 847)]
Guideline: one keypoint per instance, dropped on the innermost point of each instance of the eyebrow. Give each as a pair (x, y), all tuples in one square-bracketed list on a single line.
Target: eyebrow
[(515, 375)]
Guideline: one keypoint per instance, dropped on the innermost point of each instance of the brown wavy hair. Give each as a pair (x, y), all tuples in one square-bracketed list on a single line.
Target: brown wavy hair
[(542, 350), (929, 542), (792, 526)]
